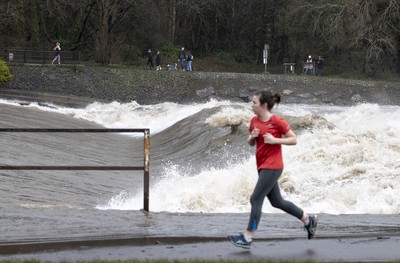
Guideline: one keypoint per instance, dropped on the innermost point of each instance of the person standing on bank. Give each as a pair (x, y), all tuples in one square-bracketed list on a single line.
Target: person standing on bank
[(189, 61), (308, 67), (158, 60), (149, 59), (57, 58), (181, 58), (320, 66), (269, 132)]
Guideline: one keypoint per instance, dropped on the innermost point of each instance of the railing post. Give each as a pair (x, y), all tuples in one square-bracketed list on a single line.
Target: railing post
[(146, 170)]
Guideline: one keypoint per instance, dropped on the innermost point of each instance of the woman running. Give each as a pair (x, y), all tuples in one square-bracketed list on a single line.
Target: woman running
[(269, 132)]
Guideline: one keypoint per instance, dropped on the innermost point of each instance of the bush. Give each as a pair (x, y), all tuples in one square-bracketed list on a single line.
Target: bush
[(5, 73)]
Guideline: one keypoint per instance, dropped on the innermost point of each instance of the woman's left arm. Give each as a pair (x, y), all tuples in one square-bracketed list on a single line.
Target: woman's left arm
[(288, 139)]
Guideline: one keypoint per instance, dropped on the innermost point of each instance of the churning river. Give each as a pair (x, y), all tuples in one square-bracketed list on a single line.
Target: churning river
[(345, 167)]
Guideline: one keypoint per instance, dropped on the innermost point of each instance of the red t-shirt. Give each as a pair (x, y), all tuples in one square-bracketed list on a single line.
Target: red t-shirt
[(269, 156)]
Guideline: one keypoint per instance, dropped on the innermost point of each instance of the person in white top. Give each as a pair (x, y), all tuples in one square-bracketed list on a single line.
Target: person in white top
[(57, 58), (308, 67)]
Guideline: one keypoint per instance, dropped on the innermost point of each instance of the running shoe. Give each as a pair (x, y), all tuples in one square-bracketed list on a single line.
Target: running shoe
[(239, 241), (312, 226)]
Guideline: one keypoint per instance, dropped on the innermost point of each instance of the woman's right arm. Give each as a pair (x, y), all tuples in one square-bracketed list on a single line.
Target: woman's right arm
[(251, 140)]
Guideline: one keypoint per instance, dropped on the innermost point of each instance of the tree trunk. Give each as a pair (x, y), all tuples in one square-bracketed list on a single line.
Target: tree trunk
[(108, 37), (172, 19)]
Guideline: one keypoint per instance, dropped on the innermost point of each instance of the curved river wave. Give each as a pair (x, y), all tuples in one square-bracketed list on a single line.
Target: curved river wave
[(346, 160)]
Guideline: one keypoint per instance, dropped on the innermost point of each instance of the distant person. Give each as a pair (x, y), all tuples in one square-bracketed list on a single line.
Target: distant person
[(149, 59), (158, 60), (308, 67), (181, 58), (189, 61), (57, 58), (320, 66), (269, 132)]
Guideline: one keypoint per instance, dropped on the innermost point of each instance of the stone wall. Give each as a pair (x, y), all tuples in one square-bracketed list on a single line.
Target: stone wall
[(79, 85)]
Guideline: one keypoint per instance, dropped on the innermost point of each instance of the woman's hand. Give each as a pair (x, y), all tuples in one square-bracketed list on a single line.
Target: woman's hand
[(254, 133), (269, 138), (288, 139)]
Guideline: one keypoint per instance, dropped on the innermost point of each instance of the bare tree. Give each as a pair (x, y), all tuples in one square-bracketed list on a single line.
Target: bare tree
[(108, 35), (9, 21), (367, 25)]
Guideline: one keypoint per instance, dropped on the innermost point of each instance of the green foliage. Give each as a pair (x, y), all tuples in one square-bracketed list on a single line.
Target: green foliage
[(235, 56), (225, 56), (169, 50), (130, 53), (5, 73)]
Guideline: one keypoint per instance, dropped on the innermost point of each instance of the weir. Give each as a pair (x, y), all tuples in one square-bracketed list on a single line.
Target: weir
[(146, 153)]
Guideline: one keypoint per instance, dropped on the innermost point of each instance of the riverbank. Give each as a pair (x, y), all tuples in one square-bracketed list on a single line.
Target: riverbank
[(78, 85)]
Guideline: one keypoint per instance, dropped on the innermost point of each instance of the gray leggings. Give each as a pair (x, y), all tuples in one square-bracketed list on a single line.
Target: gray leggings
[(267, 185)]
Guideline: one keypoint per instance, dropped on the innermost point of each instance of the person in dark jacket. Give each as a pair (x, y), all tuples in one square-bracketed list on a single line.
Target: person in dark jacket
[(149, 59), (182, 56), (320, 66)]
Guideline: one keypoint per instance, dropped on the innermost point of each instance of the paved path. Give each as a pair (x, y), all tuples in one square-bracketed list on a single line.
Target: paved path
[(343, 249)]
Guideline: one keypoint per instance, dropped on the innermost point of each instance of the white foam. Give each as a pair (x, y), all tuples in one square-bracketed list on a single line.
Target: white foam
[(350, 169), (353, 168), (130, 115)]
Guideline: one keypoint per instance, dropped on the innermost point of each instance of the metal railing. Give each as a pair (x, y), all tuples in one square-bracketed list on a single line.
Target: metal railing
[(38, 56), (145, 167)]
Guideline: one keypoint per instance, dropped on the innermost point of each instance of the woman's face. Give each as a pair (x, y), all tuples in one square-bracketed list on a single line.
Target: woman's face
[(256, 106)]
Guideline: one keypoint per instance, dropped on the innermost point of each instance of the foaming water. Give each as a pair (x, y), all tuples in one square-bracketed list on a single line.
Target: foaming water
[(210, 190), (122, 115), (347, 167), (352, 168)]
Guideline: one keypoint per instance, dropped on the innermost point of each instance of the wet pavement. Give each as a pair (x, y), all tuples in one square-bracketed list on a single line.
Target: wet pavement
[(322, 249)]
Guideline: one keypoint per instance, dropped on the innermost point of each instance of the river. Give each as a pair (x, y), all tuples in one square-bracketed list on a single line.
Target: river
[(346, 164)]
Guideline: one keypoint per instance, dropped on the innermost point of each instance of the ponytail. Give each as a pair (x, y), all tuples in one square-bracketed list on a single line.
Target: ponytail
[(266, 97)]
